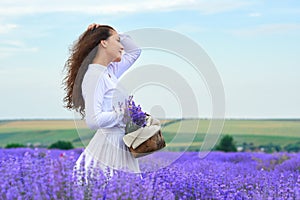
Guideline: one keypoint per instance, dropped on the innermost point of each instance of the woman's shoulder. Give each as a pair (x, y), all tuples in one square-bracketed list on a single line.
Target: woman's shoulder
[(94, 74), (97, 68)]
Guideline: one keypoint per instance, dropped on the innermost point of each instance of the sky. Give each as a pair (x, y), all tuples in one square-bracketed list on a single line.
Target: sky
[(254, 45)]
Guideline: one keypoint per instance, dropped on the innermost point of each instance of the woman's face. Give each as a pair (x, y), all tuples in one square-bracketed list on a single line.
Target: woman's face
[(114, 47)]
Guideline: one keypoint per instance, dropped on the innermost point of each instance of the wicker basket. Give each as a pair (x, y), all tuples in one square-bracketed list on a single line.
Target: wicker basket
[(154, 143)]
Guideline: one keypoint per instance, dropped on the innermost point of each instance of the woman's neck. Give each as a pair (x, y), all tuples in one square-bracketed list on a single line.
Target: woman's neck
[(102, 60)]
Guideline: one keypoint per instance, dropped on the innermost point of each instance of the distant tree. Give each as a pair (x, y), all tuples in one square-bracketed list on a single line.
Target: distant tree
[(226, 144), (14, 145), (61, 145), (270, 148), (248, 146), (293, 147)]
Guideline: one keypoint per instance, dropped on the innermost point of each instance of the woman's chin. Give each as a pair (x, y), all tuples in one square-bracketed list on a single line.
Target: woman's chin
[(117, 59)]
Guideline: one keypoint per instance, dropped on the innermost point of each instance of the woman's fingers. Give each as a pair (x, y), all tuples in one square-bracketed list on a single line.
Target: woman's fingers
[(93, 26)]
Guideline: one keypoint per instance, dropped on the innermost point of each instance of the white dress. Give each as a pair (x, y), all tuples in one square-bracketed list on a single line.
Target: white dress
[(102, 94)]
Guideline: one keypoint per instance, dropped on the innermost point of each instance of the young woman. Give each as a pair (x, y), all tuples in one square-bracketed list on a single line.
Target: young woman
[(91, 84)]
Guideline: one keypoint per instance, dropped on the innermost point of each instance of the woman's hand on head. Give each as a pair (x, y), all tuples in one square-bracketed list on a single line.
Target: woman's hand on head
[(93, 26)]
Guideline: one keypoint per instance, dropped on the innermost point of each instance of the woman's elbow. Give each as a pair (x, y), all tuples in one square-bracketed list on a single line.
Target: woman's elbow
[(91, 124), (97, 122)]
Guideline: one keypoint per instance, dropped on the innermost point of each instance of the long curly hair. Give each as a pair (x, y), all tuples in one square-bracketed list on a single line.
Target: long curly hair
[(82, 53)]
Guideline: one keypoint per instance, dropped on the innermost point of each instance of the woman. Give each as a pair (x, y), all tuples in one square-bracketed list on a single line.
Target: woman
[(93, 69)]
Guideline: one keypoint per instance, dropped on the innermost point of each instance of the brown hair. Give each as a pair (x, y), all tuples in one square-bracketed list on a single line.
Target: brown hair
[(82, 53)]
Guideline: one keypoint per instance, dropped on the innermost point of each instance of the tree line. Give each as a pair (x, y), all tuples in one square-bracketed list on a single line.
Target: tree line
[(227, 144)]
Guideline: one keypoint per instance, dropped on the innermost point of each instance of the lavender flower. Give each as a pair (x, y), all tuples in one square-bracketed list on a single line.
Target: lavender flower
[(47, 174), (134, 117)]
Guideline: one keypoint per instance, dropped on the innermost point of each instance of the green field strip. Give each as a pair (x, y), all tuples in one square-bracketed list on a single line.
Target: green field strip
[(44, 137), (177, 132), (265, 139), (286, 128)]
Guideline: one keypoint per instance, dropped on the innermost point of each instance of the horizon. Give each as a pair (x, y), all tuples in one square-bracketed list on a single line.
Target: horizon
[(232, 118)]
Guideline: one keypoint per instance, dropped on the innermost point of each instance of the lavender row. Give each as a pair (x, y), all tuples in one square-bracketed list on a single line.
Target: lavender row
[(47, 174)]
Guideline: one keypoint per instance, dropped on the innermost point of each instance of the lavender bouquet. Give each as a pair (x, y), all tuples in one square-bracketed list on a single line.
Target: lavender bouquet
[(134, 117)]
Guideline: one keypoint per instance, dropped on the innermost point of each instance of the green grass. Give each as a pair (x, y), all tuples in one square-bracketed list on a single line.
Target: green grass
[(258, 132), (178, 134), (242, 127), (36, 136)]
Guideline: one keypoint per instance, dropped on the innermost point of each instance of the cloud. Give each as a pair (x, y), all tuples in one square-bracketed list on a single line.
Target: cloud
[(219, 6), (268, 29), (9, 48), (18, 7), (189, 28), (255, 14), (5, 28)]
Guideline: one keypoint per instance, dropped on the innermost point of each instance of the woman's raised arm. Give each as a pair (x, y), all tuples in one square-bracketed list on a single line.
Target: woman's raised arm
[(132, 52)]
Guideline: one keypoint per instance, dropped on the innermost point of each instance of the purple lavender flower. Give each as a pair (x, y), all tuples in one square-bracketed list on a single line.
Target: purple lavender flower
[(47, 174), (134, 117)]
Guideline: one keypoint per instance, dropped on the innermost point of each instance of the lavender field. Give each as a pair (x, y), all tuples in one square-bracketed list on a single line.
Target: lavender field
[(47, 174)]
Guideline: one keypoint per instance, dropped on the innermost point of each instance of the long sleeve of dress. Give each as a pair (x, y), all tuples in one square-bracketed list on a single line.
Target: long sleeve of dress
[(98, 89), (132, 52), (96, 117)]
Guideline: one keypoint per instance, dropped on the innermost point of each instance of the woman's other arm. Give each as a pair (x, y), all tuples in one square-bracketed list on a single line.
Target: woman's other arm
[(132, 52), (96, 118)]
